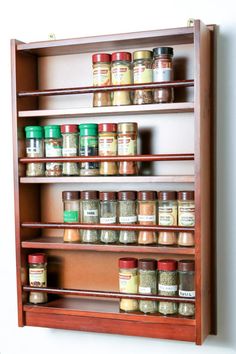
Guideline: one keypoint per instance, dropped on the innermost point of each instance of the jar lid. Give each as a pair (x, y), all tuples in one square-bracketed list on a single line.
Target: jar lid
[(107, 195), (186, 265), (52, 131), (121, 56), (101, 58), (167, 195), (128, 262), (167, 264), (127, 195), (107, 127), (37, 258), (147, 264), (88, 129), (69, 128), (147, 195), (128, 127), (163, 50), (87, 195), (70, 195), (142, 54), (186, 195), (34, 132)]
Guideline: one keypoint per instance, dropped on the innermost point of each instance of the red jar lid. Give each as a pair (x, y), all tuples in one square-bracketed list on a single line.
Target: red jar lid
[(37, 258), (128, 263), (167, 264), (69, 128), (121, 56), (101, 58), (107, 127)]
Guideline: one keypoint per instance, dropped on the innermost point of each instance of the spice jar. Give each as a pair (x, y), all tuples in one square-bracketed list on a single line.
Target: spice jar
[(128, 282), (88, 146), (108, 215), (142, 73), (37, 277), (70, 148), (167, 216), (71, 214), (186, 270), (147, 215), (53, 148), (127, 215), (121, 74), (34, 148), (89, 214), (147, 271), (107, 145), (186, 217), (167, 285), (163, 71), (101, 77), (127, 145)]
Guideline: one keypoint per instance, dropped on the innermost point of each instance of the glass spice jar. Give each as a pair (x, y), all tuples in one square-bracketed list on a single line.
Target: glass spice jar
[(107, 146), (121, 74), (34, 148), (89, 214), (71, 214), (70, 148), (53, 148), (147, 215), (101, 77), (142, 73), (128, 283), (88, 146), (167, 285), (37, 277), (147, 271), (186, 217), (108, 215), (167, 216), (186, 270), (127, 215), (163, 71), (127, 145)]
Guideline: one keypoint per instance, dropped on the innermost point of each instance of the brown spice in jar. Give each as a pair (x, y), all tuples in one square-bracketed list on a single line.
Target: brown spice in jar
[(147, 216), (127, 145)]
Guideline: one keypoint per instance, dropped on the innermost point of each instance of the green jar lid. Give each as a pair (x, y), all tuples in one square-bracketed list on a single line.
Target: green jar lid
[(88, 129), (34, 132), (52, 131)]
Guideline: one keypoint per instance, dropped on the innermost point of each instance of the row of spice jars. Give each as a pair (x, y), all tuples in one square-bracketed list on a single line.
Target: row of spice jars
[(165, 277), (132, 207), (70, 140), (117, 69)]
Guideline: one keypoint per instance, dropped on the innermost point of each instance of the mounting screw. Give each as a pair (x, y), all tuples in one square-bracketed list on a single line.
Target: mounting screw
[(52, 36), (190, 22)]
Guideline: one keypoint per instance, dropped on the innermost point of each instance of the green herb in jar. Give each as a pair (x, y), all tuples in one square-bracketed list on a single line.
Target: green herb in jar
[(127, 215), (167, 285), (147, 284), (89, 214)]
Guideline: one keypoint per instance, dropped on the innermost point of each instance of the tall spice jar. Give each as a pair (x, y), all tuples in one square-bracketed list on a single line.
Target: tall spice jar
[(127, 145), (101, 77), (107, 146), (70, 148), (121, 74), (147, 271), (37, 277), (88, 146), (71, 215), (128, 282), (186, 270), (167, 285), (142, 73), (108, 215), (89, 214), (34, 148), (186, 217), (147, 215), (127, 215), (167, 216), (53, 148)]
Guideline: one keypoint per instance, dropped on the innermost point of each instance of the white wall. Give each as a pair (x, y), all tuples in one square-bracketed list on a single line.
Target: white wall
[(34, 20)]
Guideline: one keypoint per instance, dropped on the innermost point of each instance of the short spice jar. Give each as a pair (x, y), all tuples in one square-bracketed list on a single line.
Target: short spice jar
[(167, 285), (70, 148), (108, 215), (127, 215), (142, 74), (107, 146), (127, 145), (53, 148), (167, 216), (89, 214), (88, 146), (37, 277), (34, 148), (128, 282), (186, 217), (121, 74), (147, 215), (70, 215), (147, 271), (101, 77), (186, 270), (163, 71)]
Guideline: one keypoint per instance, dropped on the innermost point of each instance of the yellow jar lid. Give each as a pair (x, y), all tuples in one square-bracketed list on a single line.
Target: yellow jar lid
[(142, 54)]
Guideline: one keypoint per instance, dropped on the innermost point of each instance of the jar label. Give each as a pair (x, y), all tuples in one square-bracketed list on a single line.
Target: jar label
[(71, 216), (88, 147), (128, 283), (90, 212), (38, 277), (52, 151), (110, 220), (142, 74), (167, 215), (150, 218), (187, 215), (101, 76), (185, 293), (162, 74), (127, 219), (107, 146), (127, 146), (168, 288), (69, 151), (144, 290), (121, 75), (33, 150)]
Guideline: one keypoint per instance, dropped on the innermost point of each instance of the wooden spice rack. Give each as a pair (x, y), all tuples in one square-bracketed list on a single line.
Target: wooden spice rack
[(82, 283)]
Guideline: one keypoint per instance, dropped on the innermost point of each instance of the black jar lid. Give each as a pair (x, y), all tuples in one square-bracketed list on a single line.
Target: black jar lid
[(127, 195), (186, 195), (186, 265), (147, 195), (70, 195), (163, 50), (88, 195), (107, 196), (147, 264), (167, 195)]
